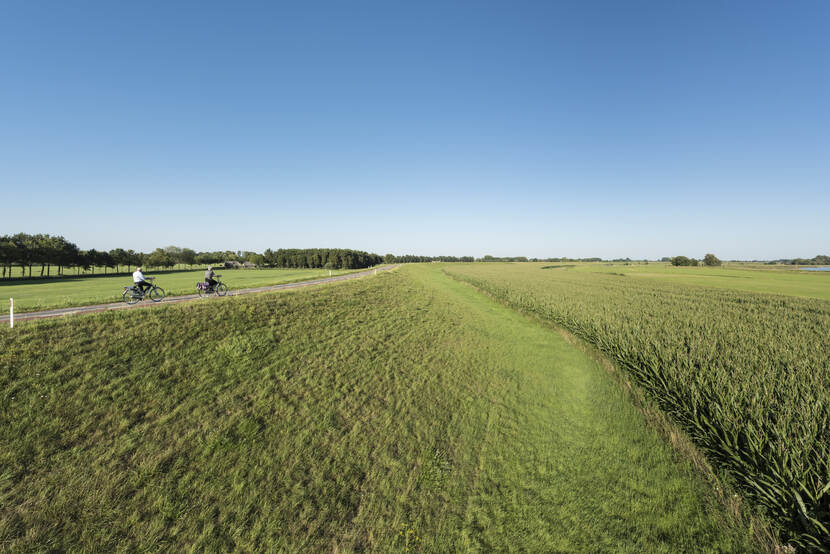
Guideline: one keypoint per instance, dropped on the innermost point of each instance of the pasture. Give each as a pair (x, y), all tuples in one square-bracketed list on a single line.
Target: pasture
[(404, 412), (34, 295), (746, 375), (771, 279)]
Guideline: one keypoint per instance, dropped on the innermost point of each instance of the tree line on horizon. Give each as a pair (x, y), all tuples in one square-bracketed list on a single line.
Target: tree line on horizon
[(712, 260), (26, 251), (48, 252), (816, 260)]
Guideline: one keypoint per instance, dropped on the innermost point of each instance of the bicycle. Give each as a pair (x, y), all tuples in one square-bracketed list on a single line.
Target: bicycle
[(219, 289), (134, 294)]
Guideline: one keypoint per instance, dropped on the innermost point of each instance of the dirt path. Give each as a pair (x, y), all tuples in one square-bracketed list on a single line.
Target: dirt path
[(173, 299)]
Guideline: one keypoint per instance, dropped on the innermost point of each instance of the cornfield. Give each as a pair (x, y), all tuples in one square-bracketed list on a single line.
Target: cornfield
[(746, 375)]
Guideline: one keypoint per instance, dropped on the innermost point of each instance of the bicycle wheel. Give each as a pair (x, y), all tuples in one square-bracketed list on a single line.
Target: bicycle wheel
[(131, 296), (156, 294), (221, 289), (202, 292)]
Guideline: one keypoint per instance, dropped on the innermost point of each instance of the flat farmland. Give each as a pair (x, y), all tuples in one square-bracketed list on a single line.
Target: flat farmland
[(762, 278), (403, 412), (34, 295)]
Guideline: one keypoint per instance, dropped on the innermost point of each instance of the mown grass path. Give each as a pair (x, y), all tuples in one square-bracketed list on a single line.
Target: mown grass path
[(565, 462), (403, 412)]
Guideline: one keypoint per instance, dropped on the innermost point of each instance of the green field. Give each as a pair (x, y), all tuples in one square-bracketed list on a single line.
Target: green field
[(30, 296), (737, 276), (746, 375), (402, 412)]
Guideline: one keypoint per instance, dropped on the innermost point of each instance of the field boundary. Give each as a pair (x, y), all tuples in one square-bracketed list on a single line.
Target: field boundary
[(60, 312), (724, 493)]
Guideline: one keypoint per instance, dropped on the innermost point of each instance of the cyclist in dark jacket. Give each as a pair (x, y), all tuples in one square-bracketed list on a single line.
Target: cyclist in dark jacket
[(209, 278)]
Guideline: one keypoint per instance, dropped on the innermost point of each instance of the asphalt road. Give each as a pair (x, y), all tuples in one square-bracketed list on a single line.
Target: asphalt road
[(146, 303)]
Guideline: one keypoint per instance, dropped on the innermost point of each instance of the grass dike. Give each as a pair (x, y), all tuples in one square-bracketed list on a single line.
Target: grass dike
[(402, 412)]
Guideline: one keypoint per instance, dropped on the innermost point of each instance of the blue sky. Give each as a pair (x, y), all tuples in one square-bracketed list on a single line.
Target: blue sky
[(612, 129)]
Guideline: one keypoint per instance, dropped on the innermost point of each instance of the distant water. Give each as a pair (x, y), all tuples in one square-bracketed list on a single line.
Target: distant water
[(815, 268)]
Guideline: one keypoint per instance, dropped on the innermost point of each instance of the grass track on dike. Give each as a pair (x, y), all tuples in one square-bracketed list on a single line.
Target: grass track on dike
[(405, 410), (35, 295)]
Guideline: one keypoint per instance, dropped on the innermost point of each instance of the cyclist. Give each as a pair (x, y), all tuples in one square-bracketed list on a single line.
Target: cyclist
[(209, 278), (140, 281)]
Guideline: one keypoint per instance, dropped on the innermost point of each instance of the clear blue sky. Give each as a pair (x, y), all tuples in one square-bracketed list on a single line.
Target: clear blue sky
[(546, 128)]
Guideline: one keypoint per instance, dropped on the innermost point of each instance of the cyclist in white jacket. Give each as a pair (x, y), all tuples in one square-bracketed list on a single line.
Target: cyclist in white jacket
[(140, 281)]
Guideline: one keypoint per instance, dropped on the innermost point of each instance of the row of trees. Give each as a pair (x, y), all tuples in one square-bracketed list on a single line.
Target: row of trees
[(412, 259), (47, 251), (55, 254), (816, 260), (50, 253), (328, 258)]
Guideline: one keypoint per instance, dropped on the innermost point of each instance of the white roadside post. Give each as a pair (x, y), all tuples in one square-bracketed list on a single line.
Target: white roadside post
[(11, 312)]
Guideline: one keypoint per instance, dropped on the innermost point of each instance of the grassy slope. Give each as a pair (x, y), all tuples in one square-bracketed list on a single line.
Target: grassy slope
[(400, 408), (810, 284), (746, 375), (59, 293)]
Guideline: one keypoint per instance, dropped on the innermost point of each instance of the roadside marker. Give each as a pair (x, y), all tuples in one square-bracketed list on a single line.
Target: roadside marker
[(11, 312)]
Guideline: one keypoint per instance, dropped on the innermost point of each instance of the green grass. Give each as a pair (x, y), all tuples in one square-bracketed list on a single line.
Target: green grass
[(31, 296), (746, 277), (402, 412), (746, 375)]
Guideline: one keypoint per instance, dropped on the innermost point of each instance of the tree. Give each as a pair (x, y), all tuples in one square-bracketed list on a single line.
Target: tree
[(208, 258), (105, 260), (173, 253), (93, 258), (160, 258), (254, 258), (41, 251), (132, 258), (68, 254), (83, 261), (22, 251), (683, 261), (711, 260), (7, 254), (120, 257), (188, 256)]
